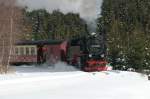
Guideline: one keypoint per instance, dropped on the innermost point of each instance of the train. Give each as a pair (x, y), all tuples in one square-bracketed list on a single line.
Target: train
[(86, 53)]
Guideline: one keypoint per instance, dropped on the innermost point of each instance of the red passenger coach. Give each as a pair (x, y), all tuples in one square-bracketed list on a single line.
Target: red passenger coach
[(37, 52), (24, 54)]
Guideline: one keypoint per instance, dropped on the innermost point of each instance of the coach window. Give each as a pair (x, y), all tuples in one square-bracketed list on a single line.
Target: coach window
[(16, 51), (27, 51), (33, 51), (22, 50)]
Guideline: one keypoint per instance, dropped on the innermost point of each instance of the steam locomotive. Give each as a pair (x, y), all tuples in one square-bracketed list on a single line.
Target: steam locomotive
[(86, 53), (92, 56)]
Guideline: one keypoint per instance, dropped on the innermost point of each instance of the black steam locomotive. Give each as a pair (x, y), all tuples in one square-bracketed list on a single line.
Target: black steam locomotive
[(92, 53)]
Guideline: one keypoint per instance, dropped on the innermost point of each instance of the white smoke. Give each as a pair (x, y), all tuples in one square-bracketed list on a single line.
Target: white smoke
[(58, 67), (88, 9)]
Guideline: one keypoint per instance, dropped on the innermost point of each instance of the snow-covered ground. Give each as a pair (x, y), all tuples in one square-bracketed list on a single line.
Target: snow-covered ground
[(41, 83)]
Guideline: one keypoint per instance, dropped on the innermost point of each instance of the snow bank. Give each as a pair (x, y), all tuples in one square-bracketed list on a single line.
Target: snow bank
[(40, 83), (25, 71)]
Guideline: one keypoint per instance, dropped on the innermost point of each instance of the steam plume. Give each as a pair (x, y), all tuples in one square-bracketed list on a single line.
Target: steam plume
[(88, 9)]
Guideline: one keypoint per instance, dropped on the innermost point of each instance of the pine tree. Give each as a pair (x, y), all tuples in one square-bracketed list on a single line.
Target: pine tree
[(126, 23), (55, 25)]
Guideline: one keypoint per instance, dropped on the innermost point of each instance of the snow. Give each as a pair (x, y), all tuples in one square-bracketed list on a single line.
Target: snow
[(30, 82)]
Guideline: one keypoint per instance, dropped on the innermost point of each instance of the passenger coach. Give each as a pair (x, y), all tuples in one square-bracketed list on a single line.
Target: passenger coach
[(37, 52)]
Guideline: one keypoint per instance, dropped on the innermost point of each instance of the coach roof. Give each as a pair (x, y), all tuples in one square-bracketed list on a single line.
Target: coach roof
[(40, 42)]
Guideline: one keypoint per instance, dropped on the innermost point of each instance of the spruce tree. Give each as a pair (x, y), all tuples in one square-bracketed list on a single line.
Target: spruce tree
[(127, 25)]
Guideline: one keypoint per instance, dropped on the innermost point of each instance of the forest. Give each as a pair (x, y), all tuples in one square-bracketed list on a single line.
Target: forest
[(41, 25), (126, 24)]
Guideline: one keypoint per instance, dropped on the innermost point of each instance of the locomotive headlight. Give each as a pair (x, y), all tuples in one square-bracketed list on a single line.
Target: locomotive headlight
[(90, 55), (93, 33), (102, 55)]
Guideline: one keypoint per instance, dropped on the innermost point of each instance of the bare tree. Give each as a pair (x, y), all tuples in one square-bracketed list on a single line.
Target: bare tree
[(10, 19)]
